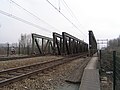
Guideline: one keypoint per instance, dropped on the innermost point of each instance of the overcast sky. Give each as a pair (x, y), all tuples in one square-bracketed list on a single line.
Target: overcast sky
[(100, 16)]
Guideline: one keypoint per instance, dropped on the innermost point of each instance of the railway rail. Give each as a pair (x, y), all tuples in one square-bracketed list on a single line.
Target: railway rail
[(15, 74)]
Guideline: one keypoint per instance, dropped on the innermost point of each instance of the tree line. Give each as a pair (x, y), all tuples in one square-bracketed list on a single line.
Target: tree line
[(114, 42)]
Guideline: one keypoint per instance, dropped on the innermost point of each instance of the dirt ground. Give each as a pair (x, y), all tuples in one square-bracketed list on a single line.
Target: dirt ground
[(48, 80)]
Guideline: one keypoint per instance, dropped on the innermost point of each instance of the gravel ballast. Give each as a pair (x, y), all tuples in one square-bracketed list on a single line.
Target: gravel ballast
[(26, 61), (48, 80)]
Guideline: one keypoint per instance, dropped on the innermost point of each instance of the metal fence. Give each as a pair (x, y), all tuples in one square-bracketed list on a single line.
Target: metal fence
[(110, 67), (117, 71)]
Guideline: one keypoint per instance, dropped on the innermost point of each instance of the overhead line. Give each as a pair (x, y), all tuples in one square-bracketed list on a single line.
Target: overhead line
[(69, 10), (72, 14), (32, 14), (43, 20), (65, 17), (59, 5), (24, 21)]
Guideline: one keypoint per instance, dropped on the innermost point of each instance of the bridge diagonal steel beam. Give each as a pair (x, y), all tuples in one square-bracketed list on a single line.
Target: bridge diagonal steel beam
[(34, 40)]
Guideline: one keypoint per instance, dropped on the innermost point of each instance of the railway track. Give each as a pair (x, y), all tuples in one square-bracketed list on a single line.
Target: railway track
[(15, 74)]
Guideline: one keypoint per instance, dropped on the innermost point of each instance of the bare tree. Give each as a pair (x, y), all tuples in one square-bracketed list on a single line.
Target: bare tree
[(25, 43), (114, 43)]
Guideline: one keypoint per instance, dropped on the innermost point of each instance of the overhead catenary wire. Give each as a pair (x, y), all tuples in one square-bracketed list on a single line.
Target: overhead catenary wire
[(33, 15), (71, 12), (57, 10), (59, 5), (65, 17), (68, 9), (24, 21)]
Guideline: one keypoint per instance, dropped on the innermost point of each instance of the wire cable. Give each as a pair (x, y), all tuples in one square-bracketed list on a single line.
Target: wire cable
[(24, 21), (59, 5), (33, 14), (71, 12), (68, 9), (65, 17), (43, 20)]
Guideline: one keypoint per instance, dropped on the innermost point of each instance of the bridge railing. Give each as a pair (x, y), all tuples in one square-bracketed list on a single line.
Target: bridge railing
[(64, 44), (92, 43)]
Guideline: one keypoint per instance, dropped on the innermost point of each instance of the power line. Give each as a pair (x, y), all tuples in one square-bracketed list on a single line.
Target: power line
[(43, 20), (65, 17), (60, 12), (32, 14), (71, 12), (24, 21), (59, 5)]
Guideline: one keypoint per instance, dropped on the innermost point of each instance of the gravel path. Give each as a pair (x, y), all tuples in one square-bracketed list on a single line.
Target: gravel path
[(48, 80)]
